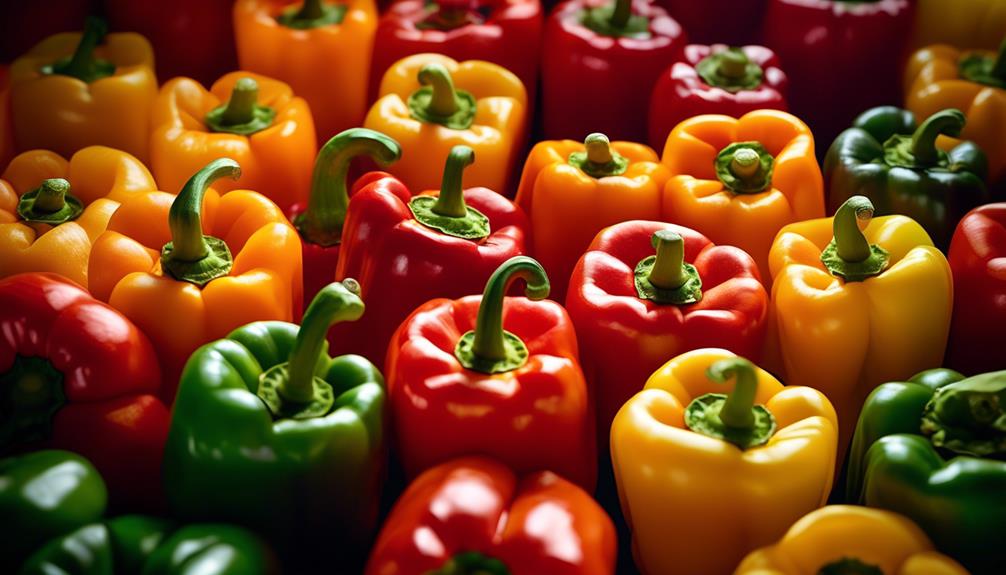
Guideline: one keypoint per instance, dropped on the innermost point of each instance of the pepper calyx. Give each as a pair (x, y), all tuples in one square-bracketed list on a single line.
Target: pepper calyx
[(312, 14), (51, 203), (968, 417), (730, 70), (745, 167), (599, 159)]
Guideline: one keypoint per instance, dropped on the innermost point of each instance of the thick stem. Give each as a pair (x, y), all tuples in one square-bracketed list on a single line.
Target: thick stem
[(733, 63), (668, 270), (83, 65), (851, 244), (451, 202), (489, 340), (444, 100), (240, 108), (52, 195), (185, 217), (949, 122), (311, 10), (745, 163), (620, 15), (598, 148), (737, 411)]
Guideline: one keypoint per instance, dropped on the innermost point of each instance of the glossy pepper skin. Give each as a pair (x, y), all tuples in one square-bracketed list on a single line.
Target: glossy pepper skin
[(978, 262), (715, 79), (721, 189), (99, 92), (624, 337), (732, 21), (435, 525), (182, 298), (698, 502), (255, 120), (470, 103), (972, 24), (322, 50), (77, 375), (599, 65), (852, 537), (59, 239), (45, 494), (459, 385)]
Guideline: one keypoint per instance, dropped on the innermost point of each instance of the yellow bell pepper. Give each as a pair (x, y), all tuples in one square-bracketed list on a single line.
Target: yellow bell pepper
[(83, 194), (961, 23), (708, 472), (838, 536), (430, 103), (69, 92)]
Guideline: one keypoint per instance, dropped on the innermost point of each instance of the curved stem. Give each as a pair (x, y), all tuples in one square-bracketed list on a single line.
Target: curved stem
[(185, 216), (598, 148), (443, 101), (451, 202), (240, 108), (737, 409), (310, 10), (83, 65), (52, 195), (851, 244), (488, 342), (620, 15), (668, 270), (745, 163), (949, 122), (733, 63)]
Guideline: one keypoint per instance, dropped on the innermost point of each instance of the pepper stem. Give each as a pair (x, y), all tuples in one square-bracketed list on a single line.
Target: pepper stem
[(598, 160), (621, 13), (733, 64), (598, 148), (52, 195), (83, 65), (733, 416), (949, 122), (240, 108), (444, 100), (310, 10), (745, 163), (999, 66), (668, 270), (736, 411), (451, 202), (850, 241)]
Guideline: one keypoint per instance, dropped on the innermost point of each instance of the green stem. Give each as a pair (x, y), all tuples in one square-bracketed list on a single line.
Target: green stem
[(851, 244), (733, 416), (668, 270), (621, 13), (83, 65), (745, 163), (451, 202), (999, 66), (949, 122), (185, 218), (598, 160), (737, 409), (52, 195), (733, 63), (444, 100), (598, 148), (240, 108), (310, 10), (489, 339)]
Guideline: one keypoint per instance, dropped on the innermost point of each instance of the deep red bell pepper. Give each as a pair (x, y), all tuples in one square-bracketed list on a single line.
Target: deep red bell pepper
[(493, 376), (474, 515), (978, 262), (715, 79), (405, 251), (599, 65), (734, 22), (24, 24), (77, 375)]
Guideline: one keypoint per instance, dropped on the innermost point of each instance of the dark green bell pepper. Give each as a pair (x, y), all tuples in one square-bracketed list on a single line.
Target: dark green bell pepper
[(886, 158), (898, 460)]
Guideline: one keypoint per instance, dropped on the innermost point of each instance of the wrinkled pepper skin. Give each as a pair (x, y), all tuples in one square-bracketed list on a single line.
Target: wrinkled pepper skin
[(697, 504), (839, 533), (435, 521), (101, 178), (978, 262), (971, 24)]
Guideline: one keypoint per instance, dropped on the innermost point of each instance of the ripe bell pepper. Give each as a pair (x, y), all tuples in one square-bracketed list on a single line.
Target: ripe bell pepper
[(707, 473), (887, 158), (849, 539), (971, 24), (978, 261), (898, 460), (430, 103), (739, 181), (475, 515), (72, 91), (494, 376), (633, 309), (77, 375), (184, 288), (322, 50), (255, 120), (857, 302), (600, 63), (438, 245), (52, 211), (269, 403), (715, 79)]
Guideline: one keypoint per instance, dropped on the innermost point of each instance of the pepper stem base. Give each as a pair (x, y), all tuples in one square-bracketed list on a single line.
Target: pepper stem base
[(270, 391)]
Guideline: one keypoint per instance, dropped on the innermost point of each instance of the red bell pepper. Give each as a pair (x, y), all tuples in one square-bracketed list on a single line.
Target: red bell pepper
[(474, 515), (484, 375), (405, 251), (715, 80), (978, 262), (734, 22), (599, 65), (77, 375), (630, 320)]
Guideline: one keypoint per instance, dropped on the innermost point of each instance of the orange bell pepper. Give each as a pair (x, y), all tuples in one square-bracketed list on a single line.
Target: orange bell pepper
[(6, 130), (184, 288), (430, 103), (739, 181), (256, 121), (69, 92), (322, 50), (83, 194)]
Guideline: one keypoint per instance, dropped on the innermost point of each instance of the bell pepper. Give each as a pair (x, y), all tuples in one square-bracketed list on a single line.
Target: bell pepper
[(857, 302), (77, 375), (270, 432), (971, 24), (599, 64), (504, 32), (6, 129), (494, 376), (571, 191), (255, 120), (51, 210), (715, 79), (707, 473), (81, 89), (739, 181), (430, 103), (184, 288), (646, 291), (735, 22), (45, 494), (978, 262), (320, 49), (898, 460), (886, 157), (475, 515), (137, 543), (850, 539), (433, 245), (939, 77)]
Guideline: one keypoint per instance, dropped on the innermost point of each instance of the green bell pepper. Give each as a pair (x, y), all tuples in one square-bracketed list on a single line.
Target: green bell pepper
[(886, 158), (897, 460)]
